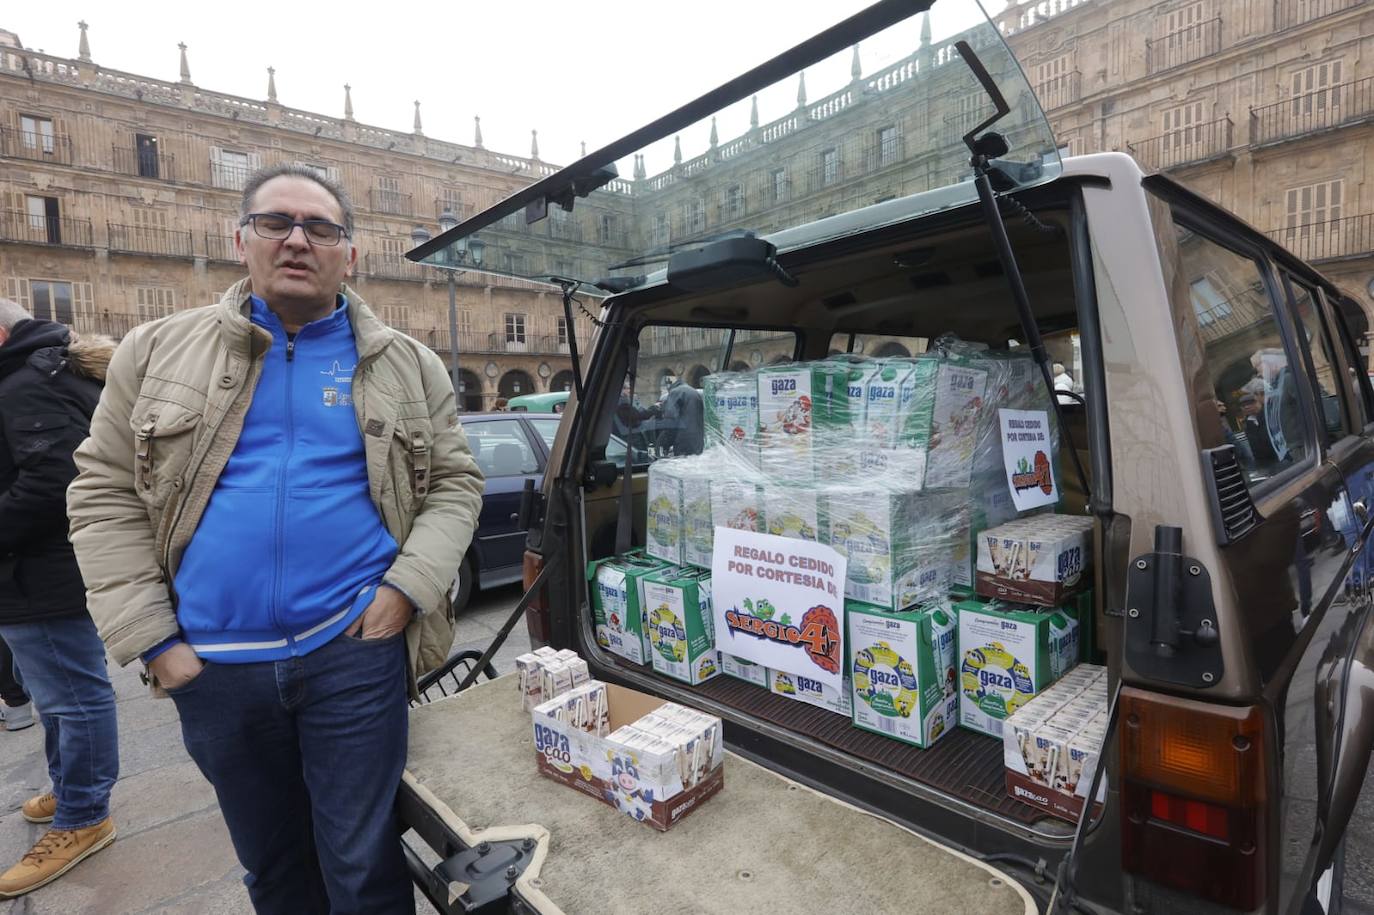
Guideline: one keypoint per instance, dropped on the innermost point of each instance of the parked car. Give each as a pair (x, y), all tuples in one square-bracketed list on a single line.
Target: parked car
[(1224, 453), (509, 449), (552, 402)]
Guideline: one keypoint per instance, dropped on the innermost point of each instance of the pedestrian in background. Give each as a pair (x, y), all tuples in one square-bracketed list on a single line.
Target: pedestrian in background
[(276, 540), (16, 711), (49, 385)]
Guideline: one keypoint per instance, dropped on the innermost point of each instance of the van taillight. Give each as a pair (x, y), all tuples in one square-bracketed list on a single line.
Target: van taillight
[(1194, 786), (537, 612)]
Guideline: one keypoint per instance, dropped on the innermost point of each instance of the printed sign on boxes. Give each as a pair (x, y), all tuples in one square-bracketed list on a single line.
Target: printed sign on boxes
[(647, 785)]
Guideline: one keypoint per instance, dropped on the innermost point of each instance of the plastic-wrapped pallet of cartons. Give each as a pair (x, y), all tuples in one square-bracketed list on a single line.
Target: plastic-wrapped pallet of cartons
[(675, 486), (903, 671), (795, 511), (741, 669), (731, 401), (1039, 559), (803, 407), (737, 503), (680, 624), (1005, 661), (618, 603), (901, 543)]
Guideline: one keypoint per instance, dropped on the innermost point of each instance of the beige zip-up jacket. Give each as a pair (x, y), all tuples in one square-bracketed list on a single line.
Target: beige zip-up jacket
[(175, 398)]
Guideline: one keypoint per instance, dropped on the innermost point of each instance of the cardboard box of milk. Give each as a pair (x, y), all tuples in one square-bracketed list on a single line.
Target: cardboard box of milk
[(618, 603), (900, 544), (795, 511), (731, 401), (663, 527), (903, 669), (741, 669), (802, 407), (1039, 559), (681, 627), (1005, 661), (813, 692), (958, 412), (698, 525)]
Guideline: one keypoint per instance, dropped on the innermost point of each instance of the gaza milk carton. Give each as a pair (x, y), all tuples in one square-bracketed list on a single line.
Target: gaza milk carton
[(958, 411), (902, 665), (680, 624), (894, 439), (813, 692), (795, 511), (1039, 559), (618, 603), (731, 401), (802, 407), (737, 504), (1005, 661), (900, 543), (741, 669), (663, 525), (698, 526)]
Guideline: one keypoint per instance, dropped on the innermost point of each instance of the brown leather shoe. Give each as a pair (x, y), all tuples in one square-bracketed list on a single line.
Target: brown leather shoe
[(40, 809), (53, 855)]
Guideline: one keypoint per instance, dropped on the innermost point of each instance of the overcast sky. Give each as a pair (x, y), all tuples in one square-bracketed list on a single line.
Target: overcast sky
[(575, 71)]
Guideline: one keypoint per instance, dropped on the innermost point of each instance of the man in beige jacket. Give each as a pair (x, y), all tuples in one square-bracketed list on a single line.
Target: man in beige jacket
[(271, 506)]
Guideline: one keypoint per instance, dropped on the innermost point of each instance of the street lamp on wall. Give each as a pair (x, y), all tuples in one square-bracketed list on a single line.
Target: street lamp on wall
[(467, 250)]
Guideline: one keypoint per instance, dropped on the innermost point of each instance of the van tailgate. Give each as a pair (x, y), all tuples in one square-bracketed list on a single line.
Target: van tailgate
[(765, 843)]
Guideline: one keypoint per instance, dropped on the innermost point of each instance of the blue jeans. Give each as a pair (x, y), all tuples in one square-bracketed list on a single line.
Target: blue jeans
[(61, 664), (305, 756)]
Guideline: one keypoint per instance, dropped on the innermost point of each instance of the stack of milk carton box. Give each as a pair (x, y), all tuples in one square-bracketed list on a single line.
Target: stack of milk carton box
[(1052, 745)]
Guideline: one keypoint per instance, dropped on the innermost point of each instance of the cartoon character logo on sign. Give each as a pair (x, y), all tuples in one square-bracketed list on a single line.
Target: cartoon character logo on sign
[(818, 633)]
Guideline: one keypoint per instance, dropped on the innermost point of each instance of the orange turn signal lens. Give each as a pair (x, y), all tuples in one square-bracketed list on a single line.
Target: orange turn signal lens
[(1199, 749)]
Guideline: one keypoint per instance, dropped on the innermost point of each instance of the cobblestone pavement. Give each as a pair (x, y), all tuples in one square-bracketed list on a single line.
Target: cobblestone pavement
[(173, 853)]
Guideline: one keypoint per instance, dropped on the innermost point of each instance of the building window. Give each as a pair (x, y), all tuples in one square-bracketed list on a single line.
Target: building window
[(1312, 89), (696, 216), (515, 331), (52, 300), (465, 322), (229, 169), (153, 302), (1312, 225), (36, 134), (830, 166), (1208, 303), (889, 145), (562, 332), (778, 181), (393, 249), (44, 222), (450, 199), (607, 229), (1182, 128), (1054, 82), (661, 234), (732, 202), (146, 149)]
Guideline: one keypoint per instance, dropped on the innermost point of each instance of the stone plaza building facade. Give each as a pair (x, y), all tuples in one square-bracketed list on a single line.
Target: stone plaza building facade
[(121, 191)]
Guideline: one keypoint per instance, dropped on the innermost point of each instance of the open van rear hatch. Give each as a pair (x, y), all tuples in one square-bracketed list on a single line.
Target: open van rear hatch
[(859, 127)]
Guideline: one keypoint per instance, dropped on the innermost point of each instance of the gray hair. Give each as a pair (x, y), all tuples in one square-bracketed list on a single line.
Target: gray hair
[(293, 170), (11, 313)]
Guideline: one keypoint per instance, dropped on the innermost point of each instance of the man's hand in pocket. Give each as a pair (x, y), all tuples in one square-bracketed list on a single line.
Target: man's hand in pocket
[(387, 615), (176, 666)]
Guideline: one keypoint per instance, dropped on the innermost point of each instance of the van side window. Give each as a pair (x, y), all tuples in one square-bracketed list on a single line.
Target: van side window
[(1256, 391), (502, 448), (1326, 383), (1355, 364)]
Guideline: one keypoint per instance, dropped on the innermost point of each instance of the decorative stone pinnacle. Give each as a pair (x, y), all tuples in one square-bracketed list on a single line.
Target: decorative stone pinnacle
[(185, 65), (677, 150), (584, 149), (856, 71), (348, 102), (271, 84), (418, 131), (534, 144), (925, 30), (801, 90), (754, 113), (715, 137), (84, 49), (477, 131)]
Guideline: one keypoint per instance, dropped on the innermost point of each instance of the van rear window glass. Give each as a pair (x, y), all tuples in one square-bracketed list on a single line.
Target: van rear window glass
[(877, 346), (1253, 382), (1323, 359)]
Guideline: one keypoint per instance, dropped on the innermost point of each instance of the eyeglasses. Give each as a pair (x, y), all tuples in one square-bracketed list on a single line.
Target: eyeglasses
[(275, 226)]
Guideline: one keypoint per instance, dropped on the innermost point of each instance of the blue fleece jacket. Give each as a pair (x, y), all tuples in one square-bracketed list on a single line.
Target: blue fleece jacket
[(290, 548)]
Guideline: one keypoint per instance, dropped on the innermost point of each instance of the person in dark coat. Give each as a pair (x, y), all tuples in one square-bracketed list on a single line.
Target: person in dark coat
[(49, 386), (684, 419), (16, 711)]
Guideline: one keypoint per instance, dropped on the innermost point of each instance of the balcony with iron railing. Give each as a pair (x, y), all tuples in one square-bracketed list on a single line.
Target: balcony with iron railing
[(393, 202), (36, 146), (126, 239), (229, 177), (1313, 112), (144, 163), (221, 248), (1185, 146), (1290, 13), (26, 228), (1350, 236), (106, 323), (1059, 91), (395, 267), (1183, 46)]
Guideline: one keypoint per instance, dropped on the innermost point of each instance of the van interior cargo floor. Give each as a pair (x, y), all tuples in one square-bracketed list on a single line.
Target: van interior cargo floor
[(764, 844), (963, 764)]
